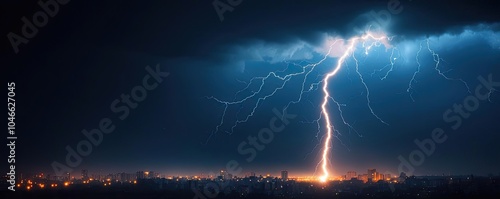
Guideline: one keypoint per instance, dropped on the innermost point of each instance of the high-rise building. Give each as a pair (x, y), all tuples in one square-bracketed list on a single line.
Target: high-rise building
[(140, 175), (284, 175), (85, 174), (223, 174), (372, 175), (363, 177), (380, 176), (151, 175), (351, 175), (122, 177)]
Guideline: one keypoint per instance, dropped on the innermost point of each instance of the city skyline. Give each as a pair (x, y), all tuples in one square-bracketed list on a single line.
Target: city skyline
[(367, 173), (320, 91)]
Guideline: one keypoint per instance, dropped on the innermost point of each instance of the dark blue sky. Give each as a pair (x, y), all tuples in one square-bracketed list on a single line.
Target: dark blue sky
[(90, 53)]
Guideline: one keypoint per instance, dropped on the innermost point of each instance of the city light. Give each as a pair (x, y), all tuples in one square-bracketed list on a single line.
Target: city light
[(294, 184)]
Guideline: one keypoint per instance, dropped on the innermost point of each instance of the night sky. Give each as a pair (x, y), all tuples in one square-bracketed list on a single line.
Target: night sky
[(90, 53)]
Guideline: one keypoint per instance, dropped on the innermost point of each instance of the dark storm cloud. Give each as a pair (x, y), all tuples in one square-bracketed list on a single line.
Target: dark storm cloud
[(92, 52), (281, 22), (192, 28), (438, 17)]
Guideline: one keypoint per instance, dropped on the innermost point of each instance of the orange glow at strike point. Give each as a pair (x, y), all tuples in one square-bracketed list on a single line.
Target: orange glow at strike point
[(326, 146)]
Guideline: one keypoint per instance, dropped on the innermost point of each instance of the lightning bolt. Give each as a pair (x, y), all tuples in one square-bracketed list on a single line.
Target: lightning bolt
[(410, 85), (305, 70), (437, 59), (304, 74), (392, 60), (326, 96), (324, 121)]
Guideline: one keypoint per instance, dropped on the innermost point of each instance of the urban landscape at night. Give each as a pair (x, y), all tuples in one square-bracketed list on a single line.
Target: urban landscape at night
[(251, 99), (148, 184)]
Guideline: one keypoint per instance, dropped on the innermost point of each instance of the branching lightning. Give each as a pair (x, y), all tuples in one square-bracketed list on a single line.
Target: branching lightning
[(410, 85), (324, 120), (437, 59)]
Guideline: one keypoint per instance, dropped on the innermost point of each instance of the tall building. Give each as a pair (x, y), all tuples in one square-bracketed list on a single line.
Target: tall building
[(380, 176), (223, 174), (151, 175), (284, 175), (140, 175), (363, 177), (351, 175), (85, 174), (122, 177), (372, 175)]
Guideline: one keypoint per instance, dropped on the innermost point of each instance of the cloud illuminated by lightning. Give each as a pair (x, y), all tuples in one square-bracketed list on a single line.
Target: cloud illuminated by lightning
[(341, 49)]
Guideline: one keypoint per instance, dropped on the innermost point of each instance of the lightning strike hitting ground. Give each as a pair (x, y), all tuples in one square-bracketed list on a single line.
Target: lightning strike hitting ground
[(366, 41), (326, 115)]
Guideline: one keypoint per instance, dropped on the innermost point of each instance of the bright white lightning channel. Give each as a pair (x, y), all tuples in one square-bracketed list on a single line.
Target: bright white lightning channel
[(326, 115), (257, 97)]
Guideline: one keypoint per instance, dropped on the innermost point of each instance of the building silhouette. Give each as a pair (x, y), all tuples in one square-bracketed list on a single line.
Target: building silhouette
[(85, 174), (351, 174), (284, 175)]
